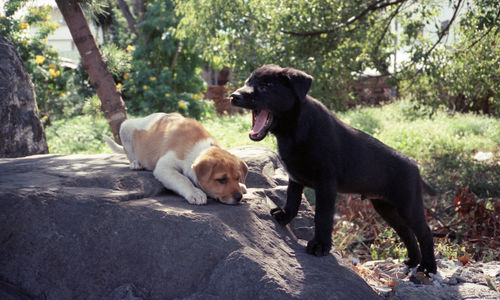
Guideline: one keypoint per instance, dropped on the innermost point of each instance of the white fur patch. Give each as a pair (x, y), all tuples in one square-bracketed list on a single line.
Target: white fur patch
[(127, 129), (191, 156), (169, 171)]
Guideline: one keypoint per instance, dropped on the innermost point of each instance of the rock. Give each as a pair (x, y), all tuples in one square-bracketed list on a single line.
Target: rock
[(128, 292), (21, 132), (87, 227), (453, 281), (410, 291)]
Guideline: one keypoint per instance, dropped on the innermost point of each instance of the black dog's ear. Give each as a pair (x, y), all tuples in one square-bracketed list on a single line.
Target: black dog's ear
[(300, 81)]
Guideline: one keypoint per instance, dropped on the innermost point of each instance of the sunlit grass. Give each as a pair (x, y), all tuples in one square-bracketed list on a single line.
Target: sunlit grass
[(232, 131)]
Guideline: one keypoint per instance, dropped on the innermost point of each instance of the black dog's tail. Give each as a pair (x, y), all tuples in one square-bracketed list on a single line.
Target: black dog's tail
[(428, 189)]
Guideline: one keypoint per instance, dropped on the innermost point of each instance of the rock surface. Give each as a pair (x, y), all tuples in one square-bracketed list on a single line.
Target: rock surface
[(21, 132), (87, 227), (455, 281)]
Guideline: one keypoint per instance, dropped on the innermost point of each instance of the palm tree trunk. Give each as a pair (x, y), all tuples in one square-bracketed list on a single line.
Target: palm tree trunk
[(111, 101)]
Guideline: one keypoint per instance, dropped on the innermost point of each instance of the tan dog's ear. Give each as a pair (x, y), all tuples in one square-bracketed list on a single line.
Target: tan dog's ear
[(244, 171), (203, 169)]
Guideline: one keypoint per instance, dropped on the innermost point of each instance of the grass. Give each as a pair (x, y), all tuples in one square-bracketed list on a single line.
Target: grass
[(443, 144)]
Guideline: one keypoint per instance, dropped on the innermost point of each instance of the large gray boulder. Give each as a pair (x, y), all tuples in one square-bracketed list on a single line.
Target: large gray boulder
[(87, 227), (21, 132)]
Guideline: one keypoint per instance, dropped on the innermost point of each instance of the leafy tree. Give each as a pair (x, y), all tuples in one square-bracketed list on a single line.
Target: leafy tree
[(330, 39), (334, 40), (465, 74), (164, 69)]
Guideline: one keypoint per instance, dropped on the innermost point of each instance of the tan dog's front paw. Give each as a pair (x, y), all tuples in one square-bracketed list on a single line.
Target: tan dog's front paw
[(243, 188), (135, 165), (197, 197)]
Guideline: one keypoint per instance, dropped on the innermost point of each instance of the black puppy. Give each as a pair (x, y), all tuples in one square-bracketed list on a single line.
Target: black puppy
[(321, 152)]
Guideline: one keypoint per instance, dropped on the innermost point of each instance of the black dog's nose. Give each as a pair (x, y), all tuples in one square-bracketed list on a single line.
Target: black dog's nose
[(236, 96), (237, 196)]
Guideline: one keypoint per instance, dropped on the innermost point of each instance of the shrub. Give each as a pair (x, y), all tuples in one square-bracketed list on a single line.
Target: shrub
[(164, 68)]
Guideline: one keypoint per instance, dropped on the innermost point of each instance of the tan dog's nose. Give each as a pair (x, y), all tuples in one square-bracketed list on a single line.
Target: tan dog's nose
[(237, 196)]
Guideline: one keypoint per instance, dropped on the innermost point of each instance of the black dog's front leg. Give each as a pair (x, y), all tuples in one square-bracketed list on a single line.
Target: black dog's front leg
[(321, 244), (293, 198)]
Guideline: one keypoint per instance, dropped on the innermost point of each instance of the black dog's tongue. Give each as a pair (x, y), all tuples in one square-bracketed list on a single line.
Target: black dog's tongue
[(259, 122)]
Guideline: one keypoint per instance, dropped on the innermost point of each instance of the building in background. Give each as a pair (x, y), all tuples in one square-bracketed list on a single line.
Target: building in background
[(61, 39)]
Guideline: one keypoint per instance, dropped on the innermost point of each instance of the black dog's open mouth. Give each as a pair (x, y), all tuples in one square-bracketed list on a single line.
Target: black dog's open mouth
[(261, 121)]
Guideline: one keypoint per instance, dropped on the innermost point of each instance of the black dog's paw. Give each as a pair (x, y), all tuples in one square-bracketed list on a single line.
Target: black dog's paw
[(280, 216), (318, 248), (431, 268), (411, 263)]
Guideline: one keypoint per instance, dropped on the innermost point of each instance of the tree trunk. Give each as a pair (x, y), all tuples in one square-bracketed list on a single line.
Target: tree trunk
[(21, 132), (128, 15), (92, 61)]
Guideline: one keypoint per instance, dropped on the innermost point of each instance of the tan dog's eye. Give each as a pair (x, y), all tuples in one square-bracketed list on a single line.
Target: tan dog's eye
[(221, 180)]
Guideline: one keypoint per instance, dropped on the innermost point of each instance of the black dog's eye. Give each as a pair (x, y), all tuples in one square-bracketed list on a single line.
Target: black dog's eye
[(263, 86), (221, 180)]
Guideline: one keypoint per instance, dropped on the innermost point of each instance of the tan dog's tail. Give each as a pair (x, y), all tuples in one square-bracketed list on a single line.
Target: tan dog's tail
[(114, 146)]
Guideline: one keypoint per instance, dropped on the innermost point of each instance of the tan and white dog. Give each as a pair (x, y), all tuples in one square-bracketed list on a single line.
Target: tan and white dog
[(183, 156)]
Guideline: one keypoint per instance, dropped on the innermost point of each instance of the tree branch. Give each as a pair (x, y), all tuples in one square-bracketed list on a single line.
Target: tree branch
[(486, 33), (376, 5), (132, 23), (387, 25), (445, 30)]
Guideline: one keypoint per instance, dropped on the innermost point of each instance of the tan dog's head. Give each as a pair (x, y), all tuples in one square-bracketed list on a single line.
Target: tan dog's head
[(221, 175)]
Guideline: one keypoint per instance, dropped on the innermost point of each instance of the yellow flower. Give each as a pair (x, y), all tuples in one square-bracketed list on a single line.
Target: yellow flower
[(25, 42), (126, 75), (118, 86), (196, 97), (130, 48), (39, 59), (152, 78), (167, 95), (182, 105), (145, 87), (45, 117), (54, 73), (23, 26), (44, 41), (131, 80), (165, 68), (48, 17), (52, 66)]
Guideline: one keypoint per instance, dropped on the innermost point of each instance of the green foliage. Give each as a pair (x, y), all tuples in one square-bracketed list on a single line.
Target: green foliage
[(462, 75), (232, 131), (444, 144), (386, 246), (164, 68), (80, 134), (248, 34), (334, 40), (118, 60), (41, 61)]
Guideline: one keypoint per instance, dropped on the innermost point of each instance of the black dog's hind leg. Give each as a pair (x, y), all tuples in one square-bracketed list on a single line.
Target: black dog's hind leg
[(293, 198), (321, 244), (390, 214)]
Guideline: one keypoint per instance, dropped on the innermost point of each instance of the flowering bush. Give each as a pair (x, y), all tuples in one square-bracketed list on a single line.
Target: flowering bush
[(41, 61), (164, 69)]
